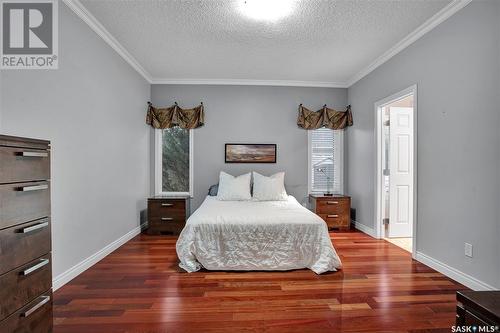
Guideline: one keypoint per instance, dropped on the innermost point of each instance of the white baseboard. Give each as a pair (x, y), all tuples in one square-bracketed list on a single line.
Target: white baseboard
[(85, 264), (363, 228), (455, 274)]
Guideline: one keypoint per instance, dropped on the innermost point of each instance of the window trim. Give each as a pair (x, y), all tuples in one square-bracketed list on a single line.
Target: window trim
[(341, 162), (159, 167)]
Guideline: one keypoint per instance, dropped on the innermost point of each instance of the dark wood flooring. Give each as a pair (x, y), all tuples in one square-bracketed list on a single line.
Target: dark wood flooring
[(139, 288)]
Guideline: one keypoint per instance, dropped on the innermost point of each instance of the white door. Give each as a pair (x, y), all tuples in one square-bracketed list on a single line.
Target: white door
[(401, 172)]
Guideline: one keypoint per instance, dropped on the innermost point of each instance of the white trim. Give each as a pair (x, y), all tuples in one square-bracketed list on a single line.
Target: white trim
[(363, 228), (341, 146), (245, 82), (79, 9), (85, 264), (453, 273), (158, 165), (416, 34), (378, 161)]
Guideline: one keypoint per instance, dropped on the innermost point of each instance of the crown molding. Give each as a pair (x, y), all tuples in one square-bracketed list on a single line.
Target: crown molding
[(77, 7), (233, 82), (427, 26)]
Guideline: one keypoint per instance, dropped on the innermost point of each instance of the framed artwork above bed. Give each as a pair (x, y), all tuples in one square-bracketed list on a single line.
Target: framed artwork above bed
[(250, 153)]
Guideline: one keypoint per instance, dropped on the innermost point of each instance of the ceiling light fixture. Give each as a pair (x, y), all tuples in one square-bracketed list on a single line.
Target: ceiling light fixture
[(267, 10)]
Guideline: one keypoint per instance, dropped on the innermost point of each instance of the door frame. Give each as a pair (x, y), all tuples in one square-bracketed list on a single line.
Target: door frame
[(412, 90)]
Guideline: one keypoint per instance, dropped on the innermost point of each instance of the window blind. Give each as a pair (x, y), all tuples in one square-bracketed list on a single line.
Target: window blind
[(326, 160)]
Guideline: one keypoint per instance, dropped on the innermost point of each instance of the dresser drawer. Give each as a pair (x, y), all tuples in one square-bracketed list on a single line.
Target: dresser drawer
[(333, 206), (23, 202), (167, 208), (21, 285), (23, 243), (23, 164), (36, 317)]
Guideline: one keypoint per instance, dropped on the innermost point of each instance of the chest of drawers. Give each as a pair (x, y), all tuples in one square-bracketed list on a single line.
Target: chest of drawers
[(25, 241)]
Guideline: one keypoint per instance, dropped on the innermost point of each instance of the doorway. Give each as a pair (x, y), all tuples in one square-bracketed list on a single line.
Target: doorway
[(396, 169)]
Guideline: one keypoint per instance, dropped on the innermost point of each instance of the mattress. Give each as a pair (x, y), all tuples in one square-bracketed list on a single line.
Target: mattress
[(255, 235)]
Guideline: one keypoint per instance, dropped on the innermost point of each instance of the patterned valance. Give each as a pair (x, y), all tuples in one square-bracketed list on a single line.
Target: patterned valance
[(325, 117), (175, 116)]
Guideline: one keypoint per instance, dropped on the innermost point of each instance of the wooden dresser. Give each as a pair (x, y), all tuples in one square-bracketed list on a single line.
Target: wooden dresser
[(335, 210), (167, 214), (25, 242), (479, 308)]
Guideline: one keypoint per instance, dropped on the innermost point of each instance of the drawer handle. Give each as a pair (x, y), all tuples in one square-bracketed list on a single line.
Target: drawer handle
[(45, 300), (166, 218), (35, 267), (34, 227), (34, 188), (332, 202), (33, 154), (167, 204), (332, 216)]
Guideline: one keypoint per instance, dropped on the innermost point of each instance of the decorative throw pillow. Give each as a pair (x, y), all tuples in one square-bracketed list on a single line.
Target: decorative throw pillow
[(269, 188), (212, 191), (234, 188)]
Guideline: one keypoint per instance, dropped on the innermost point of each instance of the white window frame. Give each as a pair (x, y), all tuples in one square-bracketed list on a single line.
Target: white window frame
[(309, 163), (159, 165)]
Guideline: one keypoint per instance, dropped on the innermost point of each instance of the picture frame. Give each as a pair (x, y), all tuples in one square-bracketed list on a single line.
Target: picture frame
[(250, 153)]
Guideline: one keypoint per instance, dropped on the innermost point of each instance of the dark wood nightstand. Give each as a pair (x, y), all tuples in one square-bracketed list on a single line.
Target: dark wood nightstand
[(167, 214), (335, 210), (479, 308)]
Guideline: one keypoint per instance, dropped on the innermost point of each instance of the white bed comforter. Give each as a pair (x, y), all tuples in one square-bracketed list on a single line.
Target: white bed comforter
[(255, 235)]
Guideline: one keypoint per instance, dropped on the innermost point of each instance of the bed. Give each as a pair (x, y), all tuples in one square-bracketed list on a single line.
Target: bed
[(255, 235)]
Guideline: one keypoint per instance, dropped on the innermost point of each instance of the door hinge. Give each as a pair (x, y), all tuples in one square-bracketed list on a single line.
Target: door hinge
[(387, 172), (385, 221)]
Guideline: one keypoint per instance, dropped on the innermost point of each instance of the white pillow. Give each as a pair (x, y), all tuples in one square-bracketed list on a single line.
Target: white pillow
[(234, 188), (269, 188)]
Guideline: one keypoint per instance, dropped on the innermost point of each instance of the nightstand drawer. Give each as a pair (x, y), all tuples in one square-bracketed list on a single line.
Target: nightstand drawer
[(158, 225), (169, 207), (335, 220), (333, 206)]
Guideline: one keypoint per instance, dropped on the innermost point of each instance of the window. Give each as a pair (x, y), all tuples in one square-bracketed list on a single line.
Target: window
[(326, 158), (174, 161)]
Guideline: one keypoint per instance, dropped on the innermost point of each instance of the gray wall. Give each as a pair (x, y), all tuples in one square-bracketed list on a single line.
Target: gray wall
[(249, 114), (457, 69), (92, 109)]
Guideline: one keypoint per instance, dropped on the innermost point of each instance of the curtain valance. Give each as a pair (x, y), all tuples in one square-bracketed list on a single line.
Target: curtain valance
[(175, 116), (325, 117)]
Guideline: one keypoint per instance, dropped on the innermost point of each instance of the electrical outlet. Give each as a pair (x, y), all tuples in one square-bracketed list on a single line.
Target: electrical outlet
[(468, 250)]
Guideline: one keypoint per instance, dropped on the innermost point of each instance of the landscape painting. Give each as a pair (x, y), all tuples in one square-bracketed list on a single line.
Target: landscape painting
[(250, 153)]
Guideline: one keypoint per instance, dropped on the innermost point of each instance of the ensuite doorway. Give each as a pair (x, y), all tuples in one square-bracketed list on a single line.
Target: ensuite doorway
[(396, 169)]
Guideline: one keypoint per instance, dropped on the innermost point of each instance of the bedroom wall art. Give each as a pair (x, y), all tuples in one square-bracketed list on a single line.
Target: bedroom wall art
[(250, 153)]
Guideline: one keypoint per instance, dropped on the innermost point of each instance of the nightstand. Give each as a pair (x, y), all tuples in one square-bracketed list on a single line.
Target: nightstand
[(334, 210), (167, 215)]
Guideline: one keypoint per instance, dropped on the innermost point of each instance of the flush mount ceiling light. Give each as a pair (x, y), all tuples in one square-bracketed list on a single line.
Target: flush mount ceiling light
[(267, 10)]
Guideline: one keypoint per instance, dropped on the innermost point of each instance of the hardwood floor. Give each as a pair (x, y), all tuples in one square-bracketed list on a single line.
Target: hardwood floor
[(139, 288)]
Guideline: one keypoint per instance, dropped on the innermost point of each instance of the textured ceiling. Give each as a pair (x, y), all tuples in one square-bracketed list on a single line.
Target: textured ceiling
[(322, 41)]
